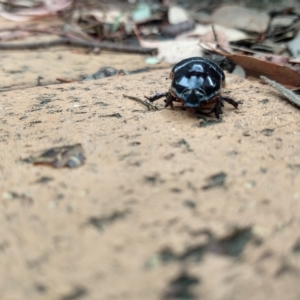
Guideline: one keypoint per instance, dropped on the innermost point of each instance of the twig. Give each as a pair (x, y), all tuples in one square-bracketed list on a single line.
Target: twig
[(77, 43), (287, 93), (64, 80), (215, 34), (149, 105)]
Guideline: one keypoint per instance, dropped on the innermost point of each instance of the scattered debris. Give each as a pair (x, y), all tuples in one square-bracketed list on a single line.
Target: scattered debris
[(58, 157), (190, 204), (204, 122), (296, 247), (267, 131), (183, 143), (216, 180), (287, 268), (103, 221), (78, 292), (40, 288), (264, 101), (105, 72), (180, 288), (115, 115), (153, 179), (231, 245), (44, 179), (23, 198)]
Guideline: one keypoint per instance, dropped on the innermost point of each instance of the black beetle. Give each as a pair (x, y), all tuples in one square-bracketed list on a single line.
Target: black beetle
[(197, 83)]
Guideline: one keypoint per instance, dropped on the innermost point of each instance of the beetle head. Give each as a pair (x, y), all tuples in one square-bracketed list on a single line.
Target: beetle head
[(193, 97)]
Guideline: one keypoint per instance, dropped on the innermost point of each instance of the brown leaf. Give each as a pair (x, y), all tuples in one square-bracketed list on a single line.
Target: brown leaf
[(256, 67), (275, 59)]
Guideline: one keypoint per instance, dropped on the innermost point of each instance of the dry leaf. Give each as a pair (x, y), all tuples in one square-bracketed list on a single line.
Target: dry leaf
[(275, 59), (49, 7), (283, 21), (217, 36), (231, 34), (255, 68), (238, 17), (76, 32), (177, 14), (174, 51), (71, 156), (294, 46)]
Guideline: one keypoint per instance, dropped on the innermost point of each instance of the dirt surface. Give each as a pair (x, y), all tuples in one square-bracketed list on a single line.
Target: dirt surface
[(167, 205), (47, 66)]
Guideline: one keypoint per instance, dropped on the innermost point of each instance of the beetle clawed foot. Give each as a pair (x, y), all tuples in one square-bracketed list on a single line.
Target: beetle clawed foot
[(230, 101), (219, 103), (217, 109), (169, 100)]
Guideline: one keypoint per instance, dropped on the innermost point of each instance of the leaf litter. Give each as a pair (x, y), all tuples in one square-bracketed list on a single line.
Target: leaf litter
[(175, 32), (71, 156)]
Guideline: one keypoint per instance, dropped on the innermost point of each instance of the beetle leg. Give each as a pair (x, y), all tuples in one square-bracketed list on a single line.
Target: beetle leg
[(157, 96), (230, 101), (169, 100), (217, 108)]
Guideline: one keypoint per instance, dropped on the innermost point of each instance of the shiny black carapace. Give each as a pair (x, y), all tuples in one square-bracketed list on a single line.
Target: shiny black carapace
[(197, 83)]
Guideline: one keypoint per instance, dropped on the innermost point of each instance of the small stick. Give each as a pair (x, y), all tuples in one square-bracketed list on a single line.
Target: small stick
[(287, 93), (215, 34), (76, 43), (149, 105), (218, 46), (64, 80)]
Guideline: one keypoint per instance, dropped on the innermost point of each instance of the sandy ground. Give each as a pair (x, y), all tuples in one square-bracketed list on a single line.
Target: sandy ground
[(166, 206)]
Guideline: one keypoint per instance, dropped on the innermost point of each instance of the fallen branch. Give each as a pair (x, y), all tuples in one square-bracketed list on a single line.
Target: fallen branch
[(76, 43)]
